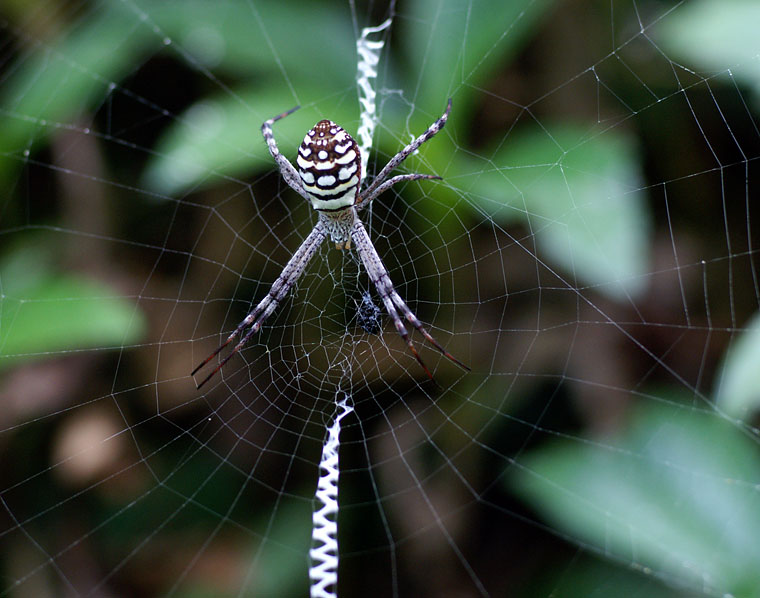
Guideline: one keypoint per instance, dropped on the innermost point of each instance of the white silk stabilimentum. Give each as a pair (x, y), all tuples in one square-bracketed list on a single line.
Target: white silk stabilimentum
[(368, 53), (323, 572)]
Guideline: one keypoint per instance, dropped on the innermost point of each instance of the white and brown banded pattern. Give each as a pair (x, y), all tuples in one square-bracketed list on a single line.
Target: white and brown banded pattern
[(329, 165)]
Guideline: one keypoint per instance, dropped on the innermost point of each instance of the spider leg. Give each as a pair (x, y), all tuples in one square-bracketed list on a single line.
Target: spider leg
[(372, 191), (391, 299), (400, 328), (255, 319), (251, 317), (363, 202), (286, 168), (409, 314)]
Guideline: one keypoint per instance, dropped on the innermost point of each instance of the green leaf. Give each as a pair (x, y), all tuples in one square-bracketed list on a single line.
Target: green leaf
[(452, 44), (436, 69), (221, 137), (272, 36), (716, 35), (594, 578), (282, 563), (43, 311), (581, 196), (677, 494), (76, 72), (62, 78), (738, 390)]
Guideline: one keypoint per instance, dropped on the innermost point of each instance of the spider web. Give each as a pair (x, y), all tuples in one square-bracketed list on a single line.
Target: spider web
[(589, 253)]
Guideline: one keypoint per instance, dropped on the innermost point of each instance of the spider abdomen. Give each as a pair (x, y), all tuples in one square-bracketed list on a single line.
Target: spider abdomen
[(329, 165)]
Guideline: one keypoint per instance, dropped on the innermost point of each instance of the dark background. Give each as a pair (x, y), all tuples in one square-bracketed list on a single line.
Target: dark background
[(590, 253)]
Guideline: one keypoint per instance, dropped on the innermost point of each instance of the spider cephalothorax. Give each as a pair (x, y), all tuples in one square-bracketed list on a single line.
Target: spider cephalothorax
[(329, 176)]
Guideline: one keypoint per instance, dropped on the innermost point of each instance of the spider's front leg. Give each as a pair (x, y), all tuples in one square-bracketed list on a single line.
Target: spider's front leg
[(286, 168), (380, 184), (391, 299)]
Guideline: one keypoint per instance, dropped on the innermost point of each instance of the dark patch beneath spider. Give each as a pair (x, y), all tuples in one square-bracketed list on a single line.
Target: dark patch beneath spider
[(368, 315)]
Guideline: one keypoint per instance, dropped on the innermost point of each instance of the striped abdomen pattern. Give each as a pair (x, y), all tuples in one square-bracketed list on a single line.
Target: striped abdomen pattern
[(329, 165)]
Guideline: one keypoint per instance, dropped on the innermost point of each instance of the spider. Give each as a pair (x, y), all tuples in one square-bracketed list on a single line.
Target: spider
[(329, 176)]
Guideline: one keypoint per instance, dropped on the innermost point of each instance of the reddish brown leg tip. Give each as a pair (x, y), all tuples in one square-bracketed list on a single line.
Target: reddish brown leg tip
[(284, 114)]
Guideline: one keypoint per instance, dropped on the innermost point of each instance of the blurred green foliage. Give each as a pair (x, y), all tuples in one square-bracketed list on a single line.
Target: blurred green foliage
[(44, 310), (594, 224), (676, 489), (676, 492), (737, 393), (577, 188), (579, 194), (718, 36)]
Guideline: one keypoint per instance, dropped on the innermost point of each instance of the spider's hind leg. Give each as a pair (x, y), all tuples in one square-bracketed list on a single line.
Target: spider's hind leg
[(250, 319), (391, 299), (403, 332), (280, 287), (414, 321)]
